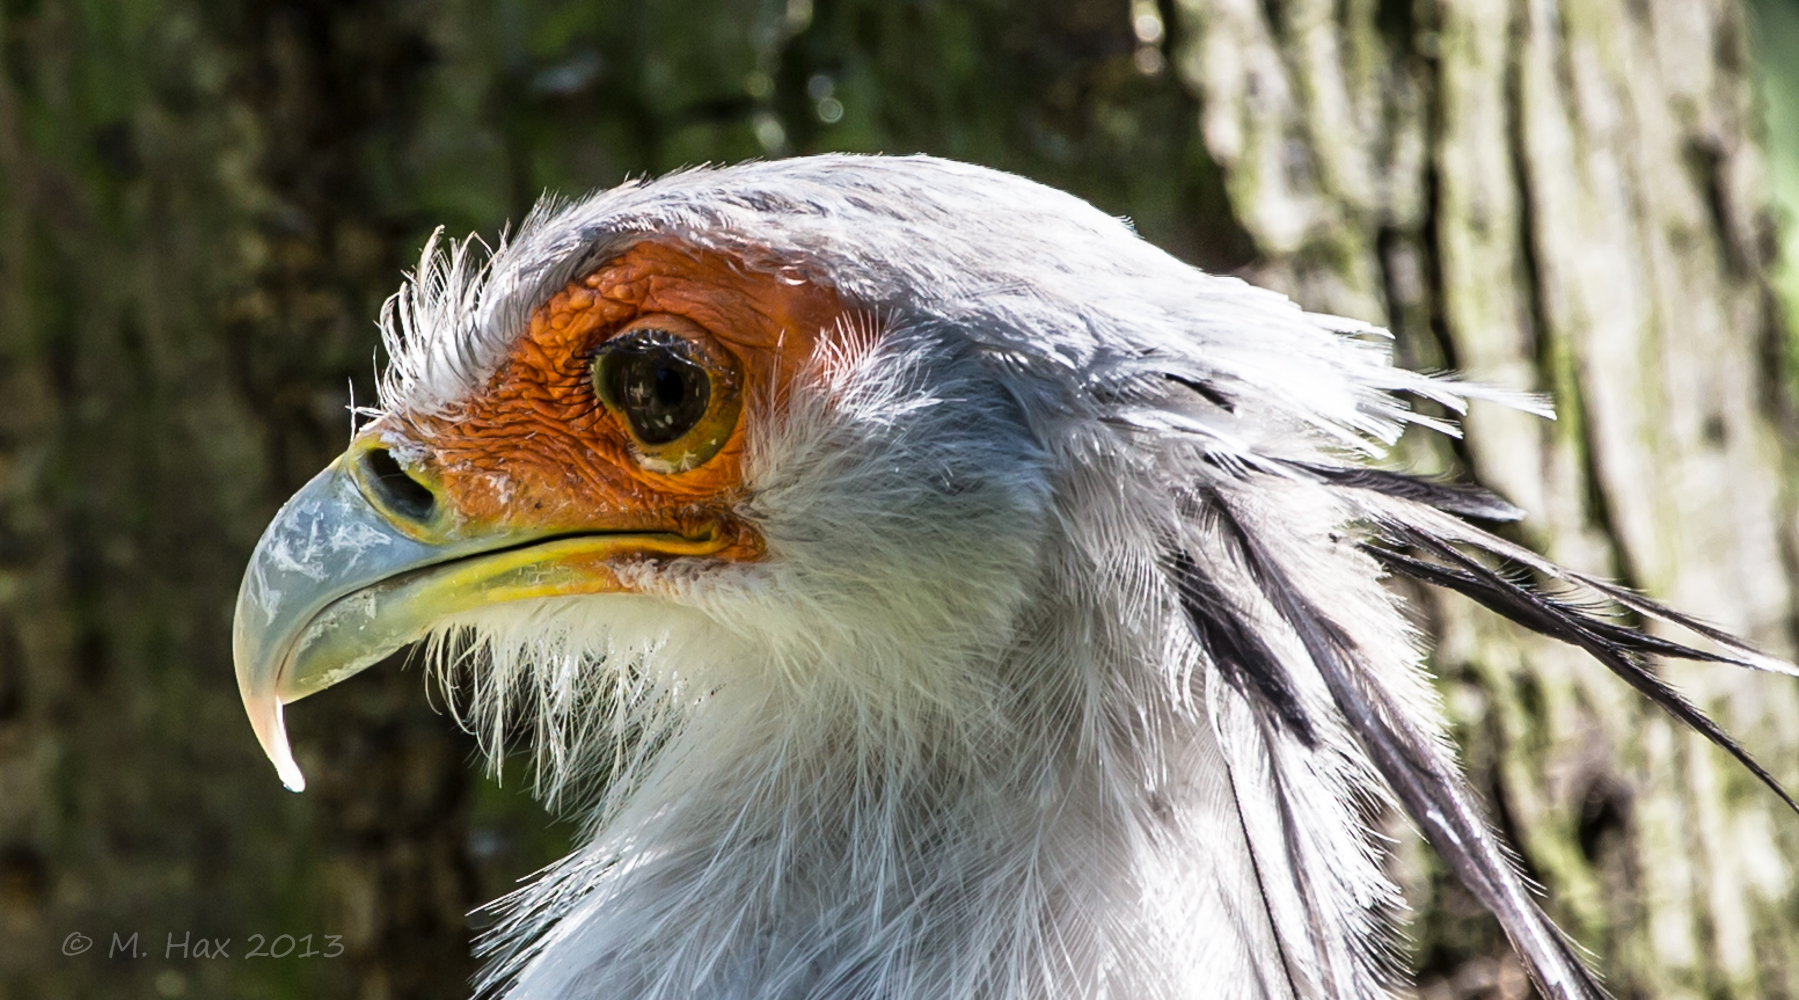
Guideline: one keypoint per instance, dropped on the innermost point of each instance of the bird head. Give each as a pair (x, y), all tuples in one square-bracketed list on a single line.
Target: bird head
[(1001, 570), (813, 420), (754, 427)]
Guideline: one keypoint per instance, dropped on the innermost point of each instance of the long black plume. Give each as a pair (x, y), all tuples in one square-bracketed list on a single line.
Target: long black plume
[(1620, 648), (1237, 648), (1425, 781), (1454, 498), (1420, 513)]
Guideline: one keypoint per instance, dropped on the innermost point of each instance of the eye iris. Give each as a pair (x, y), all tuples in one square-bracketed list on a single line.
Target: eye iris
[(647, 376)]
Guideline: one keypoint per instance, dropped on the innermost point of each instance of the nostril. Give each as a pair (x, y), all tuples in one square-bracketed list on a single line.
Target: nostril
[(396, 490)]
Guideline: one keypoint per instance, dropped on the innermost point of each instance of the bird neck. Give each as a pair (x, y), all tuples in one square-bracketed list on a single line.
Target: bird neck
[(796, 834)]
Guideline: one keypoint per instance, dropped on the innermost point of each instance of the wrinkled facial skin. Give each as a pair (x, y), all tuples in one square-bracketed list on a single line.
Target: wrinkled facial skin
[(535, 487), (537, 449)]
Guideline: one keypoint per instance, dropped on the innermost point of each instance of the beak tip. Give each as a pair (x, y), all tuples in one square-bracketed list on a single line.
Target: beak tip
[(273, 737), (291, 778)]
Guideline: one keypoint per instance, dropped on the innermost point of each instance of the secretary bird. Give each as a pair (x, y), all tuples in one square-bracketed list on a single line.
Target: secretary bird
[(924, 588)]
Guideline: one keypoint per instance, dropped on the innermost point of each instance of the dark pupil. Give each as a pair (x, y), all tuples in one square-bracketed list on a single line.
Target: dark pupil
[(647, 377)]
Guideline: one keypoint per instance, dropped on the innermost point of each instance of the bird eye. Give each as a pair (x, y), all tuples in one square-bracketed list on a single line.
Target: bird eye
[(676, 399)]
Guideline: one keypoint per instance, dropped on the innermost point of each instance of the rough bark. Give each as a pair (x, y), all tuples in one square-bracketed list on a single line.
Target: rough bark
[(1565, 198)]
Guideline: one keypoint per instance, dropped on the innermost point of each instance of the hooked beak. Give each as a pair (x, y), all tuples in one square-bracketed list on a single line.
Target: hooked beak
[(353, 568)]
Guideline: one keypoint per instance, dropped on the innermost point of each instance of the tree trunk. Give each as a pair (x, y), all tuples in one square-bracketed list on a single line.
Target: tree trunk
[(1564, 198)]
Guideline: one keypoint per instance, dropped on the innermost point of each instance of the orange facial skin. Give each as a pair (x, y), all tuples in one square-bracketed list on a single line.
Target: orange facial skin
[(538, 450)]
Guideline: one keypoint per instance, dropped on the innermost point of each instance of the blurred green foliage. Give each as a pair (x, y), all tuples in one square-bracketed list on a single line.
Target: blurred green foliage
[(568, 96)]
